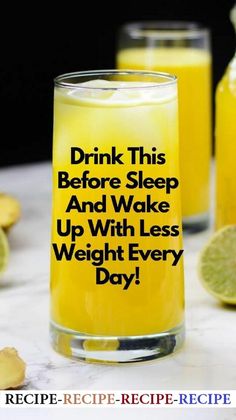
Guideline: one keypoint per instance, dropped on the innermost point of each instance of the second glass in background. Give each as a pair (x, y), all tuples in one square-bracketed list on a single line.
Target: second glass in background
[(182, 49)]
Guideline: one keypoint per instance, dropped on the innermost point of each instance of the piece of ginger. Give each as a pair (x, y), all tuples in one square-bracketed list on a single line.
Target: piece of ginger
[(10, 211), (12, 369)]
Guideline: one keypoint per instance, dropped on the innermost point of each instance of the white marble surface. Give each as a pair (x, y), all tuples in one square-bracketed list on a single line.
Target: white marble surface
[(207, 360)]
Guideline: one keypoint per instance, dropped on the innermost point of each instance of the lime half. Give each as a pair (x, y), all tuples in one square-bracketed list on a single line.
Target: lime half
[(217, 265), (4, 251)]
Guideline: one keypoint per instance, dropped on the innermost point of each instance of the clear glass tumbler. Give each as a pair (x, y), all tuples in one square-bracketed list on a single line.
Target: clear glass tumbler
[(117, 261), (182, 49)]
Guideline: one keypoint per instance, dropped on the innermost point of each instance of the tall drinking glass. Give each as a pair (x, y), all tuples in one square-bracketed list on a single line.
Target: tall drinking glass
[(182, 49), (116, 262)]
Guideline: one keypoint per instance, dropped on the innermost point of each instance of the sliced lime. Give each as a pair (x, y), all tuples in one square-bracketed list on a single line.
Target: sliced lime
[(217, 265)]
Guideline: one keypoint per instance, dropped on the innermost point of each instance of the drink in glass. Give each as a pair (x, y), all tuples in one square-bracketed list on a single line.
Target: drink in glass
[(116, 264)]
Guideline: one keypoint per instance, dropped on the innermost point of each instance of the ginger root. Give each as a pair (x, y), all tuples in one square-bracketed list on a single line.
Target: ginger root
[(12, 369), (10, 211)]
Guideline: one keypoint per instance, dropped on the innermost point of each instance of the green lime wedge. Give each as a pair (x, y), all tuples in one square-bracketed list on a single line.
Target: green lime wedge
[(4, 251), (217, 265)]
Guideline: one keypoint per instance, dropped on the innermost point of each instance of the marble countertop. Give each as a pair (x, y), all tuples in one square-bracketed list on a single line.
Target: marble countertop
[(207, 360)]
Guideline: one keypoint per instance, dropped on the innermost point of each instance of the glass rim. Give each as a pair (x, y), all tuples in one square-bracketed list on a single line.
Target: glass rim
[(165, 29), (59, 81)]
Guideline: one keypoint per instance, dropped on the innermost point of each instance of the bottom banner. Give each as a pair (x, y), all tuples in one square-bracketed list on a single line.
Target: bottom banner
[(116, 399)]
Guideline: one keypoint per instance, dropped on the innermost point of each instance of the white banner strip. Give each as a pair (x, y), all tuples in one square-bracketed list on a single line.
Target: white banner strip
[(116, 399)]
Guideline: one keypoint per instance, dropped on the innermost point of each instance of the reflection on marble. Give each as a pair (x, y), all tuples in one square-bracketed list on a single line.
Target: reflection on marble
[(206, 361)]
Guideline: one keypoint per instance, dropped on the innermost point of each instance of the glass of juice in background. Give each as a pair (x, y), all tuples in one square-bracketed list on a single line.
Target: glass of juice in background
[(97, 111), (226, 143), (181, 49)]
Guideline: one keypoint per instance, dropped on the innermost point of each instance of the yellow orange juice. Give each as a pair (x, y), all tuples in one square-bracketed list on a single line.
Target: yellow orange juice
[(98, 117), (226, 148), (192, 66)]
